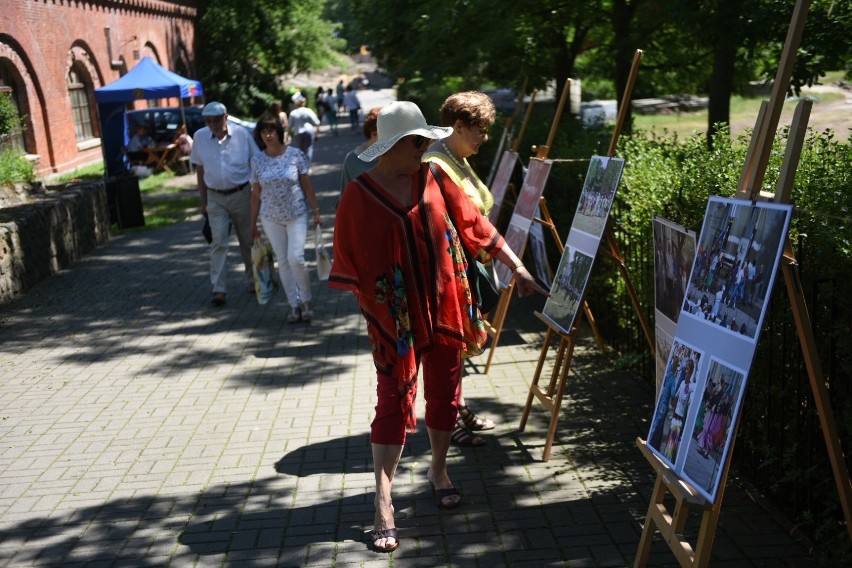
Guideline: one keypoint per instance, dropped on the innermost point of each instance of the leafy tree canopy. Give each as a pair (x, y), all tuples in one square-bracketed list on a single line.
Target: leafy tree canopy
[(244, 47), (710, 47)]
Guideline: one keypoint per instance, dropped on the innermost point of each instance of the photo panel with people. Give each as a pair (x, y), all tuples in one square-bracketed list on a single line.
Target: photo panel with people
[(568, 288), (674, 254), (735, 265), (709, 442), (584, 238), (729, 288), (523, 215), (674, 401), (598, 194)]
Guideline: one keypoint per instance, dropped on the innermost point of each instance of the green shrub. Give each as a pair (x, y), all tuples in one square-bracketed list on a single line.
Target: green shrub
[(14, 168), (10, 122)]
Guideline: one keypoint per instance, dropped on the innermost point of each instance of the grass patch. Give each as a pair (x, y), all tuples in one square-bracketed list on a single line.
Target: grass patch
[(162, 212), (92, 172), (744, 111), (162, 202)]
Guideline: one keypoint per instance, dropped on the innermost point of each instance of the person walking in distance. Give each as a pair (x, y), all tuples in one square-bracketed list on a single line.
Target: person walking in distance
[(222, 154), (340, 89), (353, 105), (303, 125)]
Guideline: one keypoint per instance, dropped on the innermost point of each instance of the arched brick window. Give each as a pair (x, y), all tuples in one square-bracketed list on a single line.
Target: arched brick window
[(12, 85), (82, 101)]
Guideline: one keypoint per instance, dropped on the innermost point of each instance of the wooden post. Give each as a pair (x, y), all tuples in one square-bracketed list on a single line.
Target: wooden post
[(508, 130), (543, 151), (757, 168), (516, 144), (625, 102)]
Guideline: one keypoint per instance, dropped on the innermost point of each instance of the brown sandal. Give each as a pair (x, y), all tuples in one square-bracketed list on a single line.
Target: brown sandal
[(463, 436), (473, 422), (385, 534)]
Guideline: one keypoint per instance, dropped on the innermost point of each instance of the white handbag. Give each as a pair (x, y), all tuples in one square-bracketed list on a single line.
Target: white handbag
[(323, 258)]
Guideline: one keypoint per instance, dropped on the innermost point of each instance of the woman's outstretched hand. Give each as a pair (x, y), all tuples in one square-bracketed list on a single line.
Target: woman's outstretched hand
[(526, 284)]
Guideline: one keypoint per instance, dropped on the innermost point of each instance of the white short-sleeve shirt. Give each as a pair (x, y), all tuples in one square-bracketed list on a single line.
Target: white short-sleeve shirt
[(226, 162)]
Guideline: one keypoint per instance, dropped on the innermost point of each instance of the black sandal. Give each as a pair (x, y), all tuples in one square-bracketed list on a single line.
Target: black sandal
[(463, 436), (473, 422)]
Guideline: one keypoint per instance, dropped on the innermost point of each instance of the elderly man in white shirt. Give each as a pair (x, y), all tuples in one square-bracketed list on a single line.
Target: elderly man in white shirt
[(222, 154)]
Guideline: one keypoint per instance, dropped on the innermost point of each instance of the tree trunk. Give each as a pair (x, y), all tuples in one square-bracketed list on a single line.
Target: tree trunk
[(721, 87), (622, 17), (728, 38)]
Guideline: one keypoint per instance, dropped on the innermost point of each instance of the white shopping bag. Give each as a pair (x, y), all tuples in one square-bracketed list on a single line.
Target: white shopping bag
[(323, 259), (262, 270)]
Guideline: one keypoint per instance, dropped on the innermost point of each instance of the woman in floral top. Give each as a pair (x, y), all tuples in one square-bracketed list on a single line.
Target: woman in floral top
[(396, 249), (282, 195)]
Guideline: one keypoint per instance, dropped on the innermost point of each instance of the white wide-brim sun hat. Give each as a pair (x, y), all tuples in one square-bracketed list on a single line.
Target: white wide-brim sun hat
[(398, 119)]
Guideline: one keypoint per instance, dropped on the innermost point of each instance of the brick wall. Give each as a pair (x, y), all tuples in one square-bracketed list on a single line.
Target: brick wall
[(39, 41), (50, 232)]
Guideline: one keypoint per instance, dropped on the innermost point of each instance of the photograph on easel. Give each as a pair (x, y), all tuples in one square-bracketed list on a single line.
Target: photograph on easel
[(543, 271), (736, 263), (532, 189), (566, 293), (674, 253), (516, 239), (501, 182), (525, 210), (599, 189), (663, 348), (710, 437), (674, 401)]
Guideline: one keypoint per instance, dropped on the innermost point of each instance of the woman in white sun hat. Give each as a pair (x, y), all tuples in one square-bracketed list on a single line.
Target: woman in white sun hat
[(398, 247)]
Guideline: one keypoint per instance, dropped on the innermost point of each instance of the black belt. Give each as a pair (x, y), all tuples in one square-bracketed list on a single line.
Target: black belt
[(230, 191)]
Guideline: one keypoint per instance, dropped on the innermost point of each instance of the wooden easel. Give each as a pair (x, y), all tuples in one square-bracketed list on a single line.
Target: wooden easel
[(510, 196), (494, 325), (671, 524), (508, 132), (551, 397)]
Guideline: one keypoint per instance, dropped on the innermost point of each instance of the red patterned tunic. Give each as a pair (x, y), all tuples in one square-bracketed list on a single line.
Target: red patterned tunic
[(407, 268)]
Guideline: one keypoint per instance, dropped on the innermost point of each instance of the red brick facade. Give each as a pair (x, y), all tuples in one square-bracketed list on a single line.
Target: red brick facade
[(55, 52)]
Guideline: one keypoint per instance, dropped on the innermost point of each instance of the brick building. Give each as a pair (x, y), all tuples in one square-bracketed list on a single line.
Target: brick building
[(55, 53)]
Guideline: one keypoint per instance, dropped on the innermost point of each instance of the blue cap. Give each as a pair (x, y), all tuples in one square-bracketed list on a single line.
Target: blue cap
[(214, 109)]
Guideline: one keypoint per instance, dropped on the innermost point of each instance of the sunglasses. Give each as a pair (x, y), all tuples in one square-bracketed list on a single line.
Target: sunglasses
[(419, 141)]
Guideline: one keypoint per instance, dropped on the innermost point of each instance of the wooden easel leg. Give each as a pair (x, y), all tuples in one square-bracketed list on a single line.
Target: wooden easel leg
[(709, 520), (594, 325), (566, 350), (534, 385), (496, 326), (818, 388), (647, 539)]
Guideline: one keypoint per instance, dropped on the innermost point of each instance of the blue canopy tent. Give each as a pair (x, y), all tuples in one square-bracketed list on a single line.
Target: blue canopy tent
[(147, 80)]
